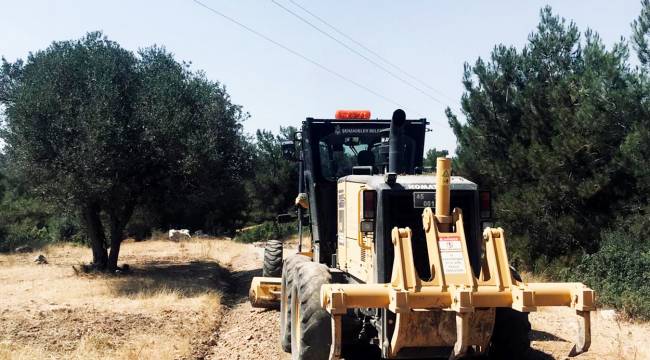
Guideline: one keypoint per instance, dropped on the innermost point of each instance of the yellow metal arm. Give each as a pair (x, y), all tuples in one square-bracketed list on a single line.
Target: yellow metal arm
[(459, 292), (453, 298)]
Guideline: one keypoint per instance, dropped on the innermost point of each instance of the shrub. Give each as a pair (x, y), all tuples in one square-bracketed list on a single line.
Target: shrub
[(28, 222), (157, 234), (266, 231), (139, 230), (64, 228), (619, 272), (23, 233)]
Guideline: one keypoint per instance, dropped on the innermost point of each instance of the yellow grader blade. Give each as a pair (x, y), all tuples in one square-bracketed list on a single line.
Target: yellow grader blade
[(265, 292), (426, 309)]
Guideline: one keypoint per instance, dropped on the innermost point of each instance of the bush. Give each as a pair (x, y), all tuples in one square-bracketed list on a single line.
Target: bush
[(30, 221), (23, 233), (139, 230), (64, 228), (266, 231), (619, 272)]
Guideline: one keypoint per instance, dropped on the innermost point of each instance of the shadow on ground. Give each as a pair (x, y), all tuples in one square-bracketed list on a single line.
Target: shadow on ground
[(187, 279), (534, 354), (538, 335), (374, 354), (240, 282)]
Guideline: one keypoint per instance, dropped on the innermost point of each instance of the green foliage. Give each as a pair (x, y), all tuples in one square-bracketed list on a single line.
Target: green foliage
[(142, 224), (64, 227), (28, 220), (202, 156), (274, 182), (268, 230), (555, 130), (619, 271), (641, 33), (24, 233), (560, 131), (69, 113), (92, 126), (431, 156)]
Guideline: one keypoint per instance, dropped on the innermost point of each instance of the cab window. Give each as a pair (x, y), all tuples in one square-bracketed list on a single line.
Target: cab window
[(339, 154)]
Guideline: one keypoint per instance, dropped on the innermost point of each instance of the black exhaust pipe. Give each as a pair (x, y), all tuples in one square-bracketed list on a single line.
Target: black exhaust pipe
[(394, 141)]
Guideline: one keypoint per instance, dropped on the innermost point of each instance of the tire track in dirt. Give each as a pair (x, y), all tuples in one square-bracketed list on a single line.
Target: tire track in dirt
[(245, 332)]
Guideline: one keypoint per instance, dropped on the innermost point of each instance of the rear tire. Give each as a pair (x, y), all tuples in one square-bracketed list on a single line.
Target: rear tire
[(288, 276), (510, 337), (272, 259), (311, 325)]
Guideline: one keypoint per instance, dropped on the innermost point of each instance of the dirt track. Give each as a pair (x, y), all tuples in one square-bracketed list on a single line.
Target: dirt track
[(247, 333)]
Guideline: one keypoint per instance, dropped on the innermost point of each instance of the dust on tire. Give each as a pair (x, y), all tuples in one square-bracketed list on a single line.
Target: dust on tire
[(288, 276), (311, 330)]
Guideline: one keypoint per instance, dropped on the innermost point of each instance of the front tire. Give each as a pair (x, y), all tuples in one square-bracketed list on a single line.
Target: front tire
[(311, 325), (288, 277), (272, 266)]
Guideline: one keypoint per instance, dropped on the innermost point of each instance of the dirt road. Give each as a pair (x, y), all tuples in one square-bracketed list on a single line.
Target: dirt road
[(247, 333), (188, 300)]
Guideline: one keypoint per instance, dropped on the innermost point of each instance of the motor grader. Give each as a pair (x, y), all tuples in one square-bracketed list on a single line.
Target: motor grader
[(400, 263)]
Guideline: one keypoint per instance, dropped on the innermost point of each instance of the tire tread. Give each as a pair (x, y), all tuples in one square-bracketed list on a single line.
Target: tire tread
[(272, 266)]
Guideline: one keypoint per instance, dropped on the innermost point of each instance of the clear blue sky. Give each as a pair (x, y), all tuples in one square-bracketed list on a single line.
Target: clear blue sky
[(430, 39)]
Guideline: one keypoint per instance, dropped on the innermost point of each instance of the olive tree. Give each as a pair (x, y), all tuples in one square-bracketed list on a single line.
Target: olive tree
[(93, 126)]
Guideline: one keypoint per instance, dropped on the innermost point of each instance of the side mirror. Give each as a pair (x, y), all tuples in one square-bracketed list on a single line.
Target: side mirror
[(289, 150), (285, 218)]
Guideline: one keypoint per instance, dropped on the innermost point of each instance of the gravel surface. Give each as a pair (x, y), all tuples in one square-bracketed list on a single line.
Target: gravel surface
[(246, 332)]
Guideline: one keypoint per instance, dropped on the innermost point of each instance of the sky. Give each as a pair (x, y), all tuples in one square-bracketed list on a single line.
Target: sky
[(429, 40)]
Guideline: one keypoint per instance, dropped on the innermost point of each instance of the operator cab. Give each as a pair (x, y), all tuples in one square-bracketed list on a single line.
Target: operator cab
[(350, 144)]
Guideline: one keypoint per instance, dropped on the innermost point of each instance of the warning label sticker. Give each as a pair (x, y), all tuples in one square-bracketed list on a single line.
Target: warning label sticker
[(451, 253)]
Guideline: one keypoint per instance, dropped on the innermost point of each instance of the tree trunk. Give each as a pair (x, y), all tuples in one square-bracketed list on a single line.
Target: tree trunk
[(96, 234), (118, 220), (116, 242)]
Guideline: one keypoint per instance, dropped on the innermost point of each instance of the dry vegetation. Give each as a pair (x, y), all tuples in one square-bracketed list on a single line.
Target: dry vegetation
[(164, 308)]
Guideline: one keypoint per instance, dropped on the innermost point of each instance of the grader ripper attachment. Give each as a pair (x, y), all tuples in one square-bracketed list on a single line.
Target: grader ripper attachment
[(453, 286), (411, 287)]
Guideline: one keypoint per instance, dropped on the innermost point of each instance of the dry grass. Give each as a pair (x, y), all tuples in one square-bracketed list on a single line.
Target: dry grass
[(159, 310)]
